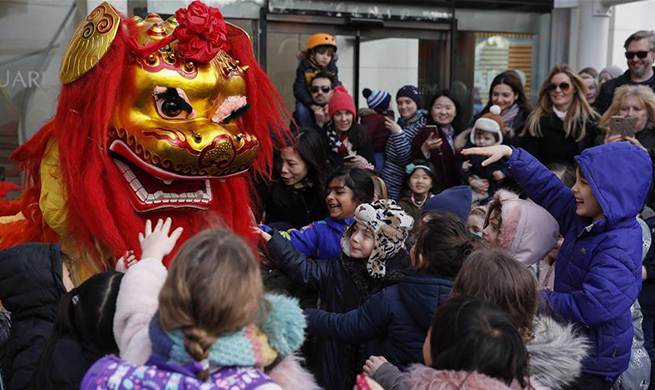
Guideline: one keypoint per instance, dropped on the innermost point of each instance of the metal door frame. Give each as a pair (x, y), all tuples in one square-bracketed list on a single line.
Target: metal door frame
[(356, 27)]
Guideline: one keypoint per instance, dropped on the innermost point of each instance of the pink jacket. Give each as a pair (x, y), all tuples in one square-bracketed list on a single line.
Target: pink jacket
[(528, 231), (421, 377)]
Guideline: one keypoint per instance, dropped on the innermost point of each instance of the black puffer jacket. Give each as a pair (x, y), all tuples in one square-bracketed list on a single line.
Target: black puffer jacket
[(67, 365), (30, 288)]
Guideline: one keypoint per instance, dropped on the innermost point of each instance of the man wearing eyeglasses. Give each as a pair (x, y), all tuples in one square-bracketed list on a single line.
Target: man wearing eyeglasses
[(321, 90), (640, 53)]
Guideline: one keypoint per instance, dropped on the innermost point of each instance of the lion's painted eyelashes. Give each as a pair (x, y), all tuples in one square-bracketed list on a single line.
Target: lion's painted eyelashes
[(231, 109)]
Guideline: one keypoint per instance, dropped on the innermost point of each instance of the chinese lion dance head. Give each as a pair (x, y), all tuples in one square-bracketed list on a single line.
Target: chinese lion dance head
[(155, 119)]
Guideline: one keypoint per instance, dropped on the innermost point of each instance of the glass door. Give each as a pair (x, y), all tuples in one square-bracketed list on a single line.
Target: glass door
[(379, 58)]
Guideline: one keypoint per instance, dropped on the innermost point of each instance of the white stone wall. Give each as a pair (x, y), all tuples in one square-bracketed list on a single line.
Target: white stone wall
[(626, 19)]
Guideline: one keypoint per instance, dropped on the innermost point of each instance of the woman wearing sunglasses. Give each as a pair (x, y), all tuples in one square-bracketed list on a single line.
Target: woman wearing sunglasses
[(560, 126)]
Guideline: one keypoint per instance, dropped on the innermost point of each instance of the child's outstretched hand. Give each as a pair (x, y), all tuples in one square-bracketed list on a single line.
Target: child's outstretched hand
[(493, 153), (262, 234), (157, 242), (372, 364), (125, 262)]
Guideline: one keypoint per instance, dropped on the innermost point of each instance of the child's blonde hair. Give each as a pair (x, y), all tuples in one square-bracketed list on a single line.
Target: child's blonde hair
[(214, 286)]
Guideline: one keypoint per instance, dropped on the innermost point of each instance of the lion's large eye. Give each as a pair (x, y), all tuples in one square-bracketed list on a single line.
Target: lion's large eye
[(172, 103), (171, 108)]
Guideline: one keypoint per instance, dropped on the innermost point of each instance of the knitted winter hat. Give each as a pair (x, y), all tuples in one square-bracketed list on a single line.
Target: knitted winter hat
[(377, 100), (491, 122), (389, 223), (411, 92), (341, 100)]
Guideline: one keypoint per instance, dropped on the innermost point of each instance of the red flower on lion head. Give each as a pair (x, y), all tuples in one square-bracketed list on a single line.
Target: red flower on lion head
[(201, 33)]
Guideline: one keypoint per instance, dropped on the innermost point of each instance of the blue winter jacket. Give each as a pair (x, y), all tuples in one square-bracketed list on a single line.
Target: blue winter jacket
[(320, 239), (598, 269), (395, 321)]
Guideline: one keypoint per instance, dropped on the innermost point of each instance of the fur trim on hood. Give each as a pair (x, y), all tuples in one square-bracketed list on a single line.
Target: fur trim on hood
[(421, 377), (556, 352), (365, 111), (528, 232), (290, 375)]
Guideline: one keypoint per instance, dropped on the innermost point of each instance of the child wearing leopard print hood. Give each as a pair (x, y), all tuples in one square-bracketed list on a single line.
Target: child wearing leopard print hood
[(373, 257)]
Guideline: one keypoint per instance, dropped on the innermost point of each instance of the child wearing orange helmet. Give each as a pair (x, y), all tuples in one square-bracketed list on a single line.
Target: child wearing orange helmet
[(318, 58)]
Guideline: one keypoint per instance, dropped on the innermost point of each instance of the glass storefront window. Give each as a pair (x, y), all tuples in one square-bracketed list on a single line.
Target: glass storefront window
[(482, 56), (421, 62), (33, 37)]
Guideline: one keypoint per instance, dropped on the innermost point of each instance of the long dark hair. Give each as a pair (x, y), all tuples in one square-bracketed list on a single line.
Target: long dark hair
[(470, 335), (512, 80), (311, 148), (458, 123), (86, 313)]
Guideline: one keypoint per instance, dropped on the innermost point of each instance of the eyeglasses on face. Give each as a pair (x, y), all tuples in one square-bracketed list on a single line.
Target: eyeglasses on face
[(323, 88), (640, 54), (562, 86)]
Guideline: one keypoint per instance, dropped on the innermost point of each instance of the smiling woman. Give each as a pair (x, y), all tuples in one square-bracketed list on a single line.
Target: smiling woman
[(346, 139), (559, 127), (634, 101), (435, 141)]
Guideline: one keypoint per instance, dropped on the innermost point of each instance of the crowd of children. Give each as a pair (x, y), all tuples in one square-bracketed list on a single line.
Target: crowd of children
[(424, 255)]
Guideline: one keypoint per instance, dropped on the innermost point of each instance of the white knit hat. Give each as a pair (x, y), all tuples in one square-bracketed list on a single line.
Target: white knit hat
[(491, 122)]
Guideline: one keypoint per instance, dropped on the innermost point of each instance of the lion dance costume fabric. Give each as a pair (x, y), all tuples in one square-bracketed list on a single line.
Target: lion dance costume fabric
[(155, 119)]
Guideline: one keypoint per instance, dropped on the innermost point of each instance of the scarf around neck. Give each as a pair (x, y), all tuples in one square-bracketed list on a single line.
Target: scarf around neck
[(509, 116), (336, 140), (247, 347), (416, 117)]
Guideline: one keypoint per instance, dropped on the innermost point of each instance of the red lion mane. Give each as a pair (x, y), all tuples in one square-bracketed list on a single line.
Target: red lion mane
[(98, 206)]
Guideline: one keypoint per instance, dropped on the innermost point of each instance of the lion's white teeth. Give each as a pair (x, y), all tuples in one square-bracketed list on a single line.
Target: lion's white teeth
[(189, 199)]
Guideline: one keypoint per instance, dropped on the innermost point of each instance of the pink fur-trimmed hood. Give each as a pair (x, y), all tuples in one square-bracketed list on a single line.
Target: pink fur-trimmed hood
[(528, 231), (421, 377), (290, 375)]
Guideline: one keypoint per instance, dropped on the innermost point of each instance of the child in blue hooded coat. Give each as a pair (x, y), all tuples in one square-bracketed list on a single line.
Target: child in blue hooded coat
[(598, 269)]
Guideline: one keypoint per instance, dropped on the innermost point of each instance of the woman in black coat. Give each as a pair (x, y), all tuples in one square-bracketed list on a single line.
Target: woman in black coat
[(296, 196), (560, 126)]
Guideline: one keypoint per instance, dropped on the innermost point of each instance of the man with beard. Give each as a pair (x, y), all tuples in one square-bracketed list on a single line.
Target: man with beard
[(640, 53), (321, 90)]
